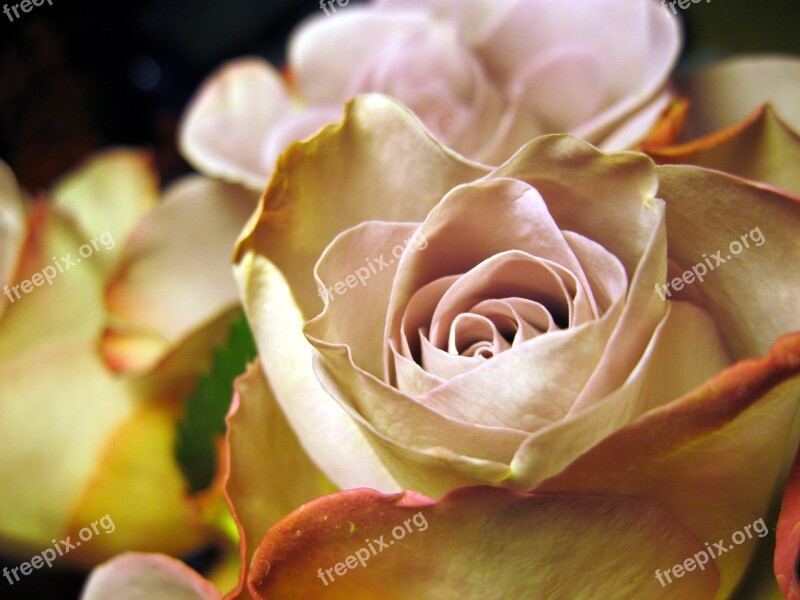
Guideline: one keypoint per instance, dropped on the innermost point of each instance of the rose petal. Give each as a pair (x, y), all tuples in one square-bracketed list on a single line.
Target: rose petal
[(698, 457), (761, 148), (53, 431), (265, 455), (216, 139), (474, 18), (667, 370), (136, 481), (729, 90), (67, 309), (326, 55), (610, 200), (643, 122), (368, 253), (754, 300), (135, 576), (12, 227), (109, 193), (787, 552), (175, 274), (286, 358), (643, 58), (315, 195), (444, 549)]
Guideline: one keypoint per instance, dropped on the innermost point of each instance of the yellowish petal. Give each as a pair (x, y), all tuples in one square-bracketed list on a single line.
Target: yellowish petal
[(107, 196)]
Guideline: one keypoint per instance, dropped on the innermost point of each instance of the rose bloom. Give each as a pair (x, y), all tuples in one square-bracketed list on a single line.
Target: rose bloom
[(89, 433), (484, 76), (500, 342)]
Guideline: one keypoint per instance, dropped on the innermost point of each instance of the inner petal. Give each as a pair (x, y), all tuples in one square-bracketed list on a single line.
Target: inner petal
[(475, 335), (512, 274)]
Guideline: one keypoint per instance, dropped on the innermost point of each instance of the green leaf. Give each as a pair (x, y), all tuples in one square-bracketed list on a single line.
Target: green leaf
[(207, 406)]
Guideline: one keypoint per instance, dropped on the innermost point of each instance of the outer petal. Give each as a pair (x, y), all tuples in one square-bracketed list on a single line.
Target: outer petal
[(635, 67), (286, 357), (269, 473), (474, 18), (787, 553), (528, 544), (12, 227), (327, 54), (136, 576), (668, 369), (68, 308), (53, 430), (754, 300), (729, 90), (138, 484), (699, 456), (225, 128), (175, 273), (110, 193), (761, 148), (379, 163)]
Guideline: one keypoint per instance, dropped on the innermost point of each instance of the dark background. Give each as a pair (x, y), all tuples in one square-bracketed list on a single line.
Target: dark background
[(78, 76)]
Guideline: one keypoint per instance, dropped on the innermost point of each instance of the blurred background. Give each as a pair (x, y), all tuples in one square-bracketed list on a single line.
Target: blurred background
[(78, 76)]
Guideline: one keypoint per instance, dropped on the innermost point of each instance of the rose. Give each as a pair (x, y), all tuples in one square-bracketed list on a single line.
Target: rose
[(432, 430), (700, 463), (485, 77), (81, 439)]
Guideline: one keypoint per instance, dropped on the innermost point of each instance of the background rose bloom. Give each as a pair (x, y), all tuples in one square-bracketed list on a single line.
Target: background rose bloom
[(485, 77), (81, 441)]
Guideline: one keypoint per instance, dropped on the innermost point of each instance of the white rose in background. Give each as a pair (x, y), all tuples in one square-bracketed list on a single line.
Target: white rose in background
[(483, 77)]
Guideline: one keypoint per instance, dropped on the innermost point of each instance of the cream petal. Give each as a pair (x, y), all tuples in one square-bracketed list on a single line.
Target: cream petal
[(175, 272), (762, 148), (729, 90), (608, 199), (264, 455), (329, 436), (754, 299)]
